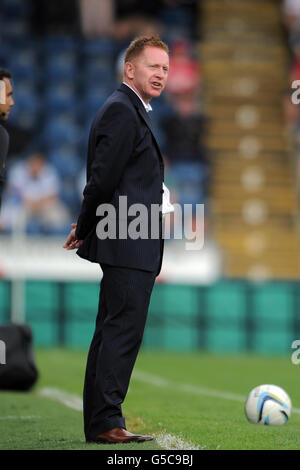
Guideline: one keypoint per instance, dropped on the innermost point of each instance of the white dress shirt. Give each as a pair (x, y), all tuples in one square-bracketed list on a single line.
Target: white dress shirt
[(147, 106)]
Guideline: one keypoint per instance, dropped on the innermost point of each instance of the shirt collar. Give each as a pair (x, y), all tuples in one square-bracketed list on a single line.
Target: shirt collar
[(147, 106)]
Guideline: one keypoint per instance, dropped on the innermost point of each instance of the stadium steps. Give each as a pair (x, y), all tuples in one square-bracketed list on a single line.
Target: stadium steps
[(253, 202)]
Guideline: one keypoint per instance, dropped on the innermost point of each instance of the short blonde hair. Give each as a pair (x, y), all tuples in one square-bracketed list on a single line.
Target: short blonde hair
[(137, 46)]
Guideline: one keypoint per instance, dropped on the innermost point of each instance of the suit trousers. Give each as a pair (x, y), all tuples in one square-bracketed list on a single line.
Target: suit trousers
[(123, 306)]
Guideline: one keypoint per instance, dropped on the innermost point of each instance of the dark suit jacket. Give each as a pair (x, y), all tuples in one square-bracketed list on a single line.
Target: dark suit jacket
[(4, 142), (123, 160)]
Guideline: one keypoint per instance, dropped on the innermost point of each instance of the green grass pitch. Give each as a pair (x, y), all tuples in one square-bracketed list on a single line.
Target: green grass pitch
[(182, 395)]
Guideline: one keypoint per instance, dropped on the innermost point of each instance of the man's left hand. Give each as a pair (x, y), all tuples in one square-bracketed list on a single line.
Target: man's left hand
[(72, 243)]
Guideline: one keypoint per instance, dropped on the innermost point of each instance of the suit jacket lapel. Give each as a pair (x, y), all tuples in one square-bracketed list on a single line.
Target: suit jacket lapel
[(146, 118), (141, 110)]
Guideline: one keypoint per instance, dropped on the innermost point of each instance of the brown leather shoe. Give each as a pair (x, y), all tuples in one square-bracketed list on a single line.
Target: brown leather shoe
[(119, 436)]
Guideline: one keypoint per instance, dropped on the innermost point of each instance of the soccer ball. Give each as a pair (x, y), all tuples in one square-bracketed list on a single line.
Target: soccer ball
[(268, 404)]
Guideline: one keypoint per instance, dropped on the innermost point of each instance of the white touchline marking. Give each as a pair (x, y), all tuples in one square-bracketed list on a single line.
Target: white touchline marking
[(8, 417), (157, 381), (68, 399), (166, 441), (169, 442), (150, 378), (198, 390)]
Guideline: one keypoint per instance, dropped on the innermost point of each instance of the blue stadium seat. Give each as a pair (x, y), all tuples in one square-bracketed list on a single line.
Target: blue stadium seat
[(99, 71), (85, 132), (162, 108), (60, 66), (60, 97), (99, 59), (176, 17), (69, 193), (59, 130), (98, 47), (15, 8), (189, 179), (5, 52), (179, 22), (25, 95), (92, 100), (23, 63), (26, 119), (54, 43), (15, 29), (66, 160)]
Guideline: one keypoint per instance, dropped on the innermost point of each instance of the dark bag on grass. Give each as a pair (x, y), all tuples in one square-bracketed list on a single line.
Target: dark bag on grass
[(18, 370)]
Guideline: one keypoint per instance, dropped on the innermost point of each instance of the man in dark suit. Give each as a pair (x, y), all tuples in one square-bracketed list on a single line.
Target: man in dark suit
[(6, 102), (124, 161)]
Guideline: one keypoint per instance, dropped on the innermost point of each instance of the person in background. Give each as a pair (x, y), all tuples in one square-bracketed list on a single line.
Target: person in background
[(33, 196), (6, 102)]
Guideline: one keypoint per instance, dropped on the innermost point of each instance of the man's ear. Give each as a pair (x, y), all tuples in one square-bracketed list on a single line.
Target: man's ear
[(129, 70)]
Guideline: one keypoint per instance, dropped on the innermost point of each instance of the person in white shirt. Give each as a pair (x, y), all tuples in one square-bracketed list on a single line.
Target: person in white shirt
[(33, 196)]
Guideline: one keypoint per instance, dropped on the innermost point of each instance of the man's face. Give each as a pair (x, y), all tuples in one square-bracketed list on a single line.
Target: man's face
[(148, 72), (9, 101)]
